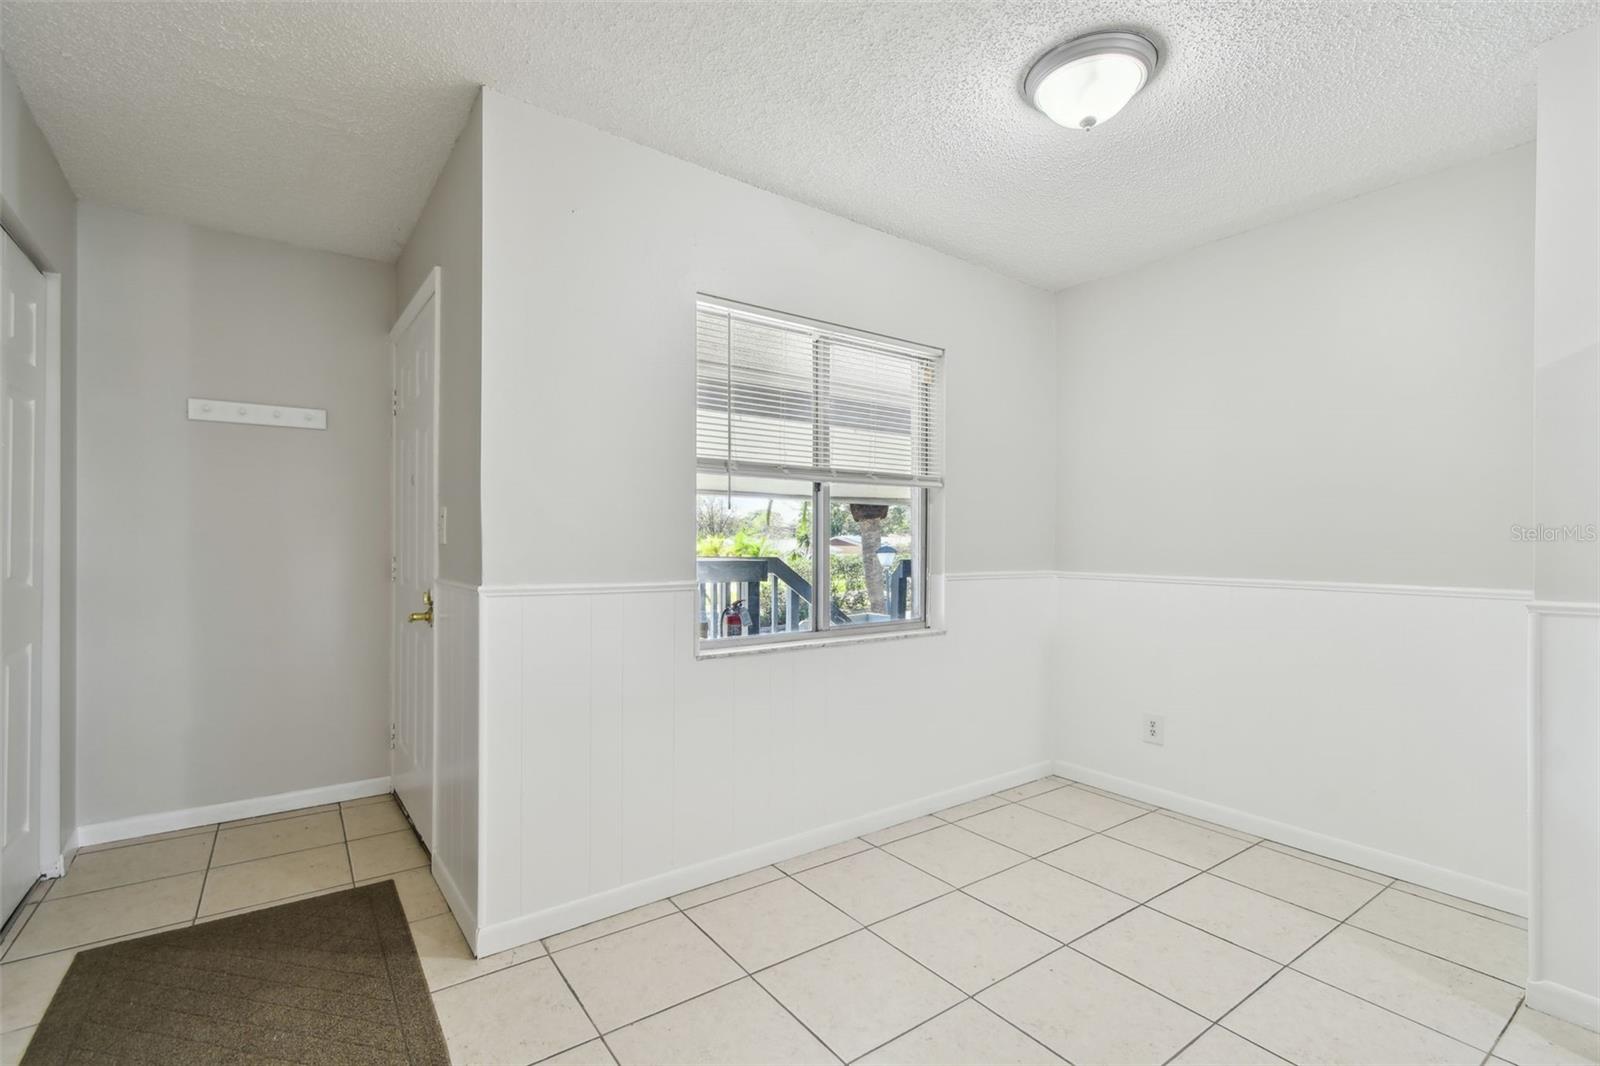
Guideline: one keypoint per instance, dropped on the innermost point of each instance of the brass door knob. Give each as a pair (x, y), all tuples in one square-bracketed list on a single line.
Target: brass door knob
[(423, 616)]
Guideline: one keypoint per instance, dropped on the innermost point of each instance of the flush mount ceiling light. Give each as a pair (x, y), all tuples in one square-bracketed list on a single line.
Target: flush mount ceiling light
[(1082, 83)]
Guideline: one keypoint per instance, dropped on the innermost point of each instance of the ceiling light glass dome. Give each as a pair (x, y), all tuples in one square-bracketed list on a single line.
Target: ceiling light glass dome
[(1086, 81)]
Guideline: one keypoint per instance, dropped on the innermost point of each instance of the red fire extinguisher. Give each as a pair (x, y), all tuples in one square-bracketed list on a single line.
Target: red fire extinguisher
[(732, 619)]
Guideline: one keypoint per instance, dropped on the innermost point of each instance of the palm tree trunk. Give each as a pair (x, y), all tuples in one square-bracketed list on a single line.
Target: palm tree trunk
[(869, 517)]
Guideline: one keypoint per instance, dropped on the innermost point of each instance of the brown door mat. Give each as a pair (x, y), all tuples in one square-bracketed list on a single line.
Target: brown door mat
[(332, 979)]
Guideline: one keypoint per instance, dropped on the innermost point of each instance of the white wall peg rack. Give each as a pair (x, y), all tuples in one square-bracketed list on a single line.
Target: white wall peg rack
[(257, 414)]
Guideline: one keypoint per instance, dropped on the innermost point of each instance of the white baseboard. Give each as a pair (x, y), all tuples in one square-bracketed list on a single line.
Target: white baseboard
[(1503, 897), (188, 817), (530, 927), (1565, 1003), (466, 915)]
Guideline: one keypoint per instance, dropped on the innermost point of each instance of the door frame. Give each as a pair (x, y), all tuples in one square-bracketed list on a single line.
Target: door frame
[(52, 857), (430, 288)]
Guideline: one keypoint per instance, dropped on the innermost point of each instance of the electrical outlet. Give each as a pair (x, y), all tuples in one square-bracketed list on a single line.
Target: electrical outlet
[(1153, 729)]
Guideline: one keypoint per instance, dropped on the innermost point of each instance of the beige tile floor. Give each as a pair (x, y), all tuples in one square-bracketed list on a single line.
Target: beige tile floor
[(1051, 922)]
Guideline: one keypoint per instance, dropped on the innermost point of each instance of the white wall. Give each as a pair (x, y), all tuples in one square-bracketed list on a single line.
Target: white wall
[(230, 575), (40, 212), (1564, 915), (1567, 261), (1325, 427), (616, 766), (449, 235), (1382, 728), (619, 769), (594, 249), (1341, 396), (1567, 327), (456, 755), (1564, 927)]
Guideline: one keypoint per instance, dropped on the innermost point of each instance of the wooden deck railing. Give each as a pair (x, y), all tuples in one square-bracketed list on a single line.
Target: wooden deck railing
[(725, 580)]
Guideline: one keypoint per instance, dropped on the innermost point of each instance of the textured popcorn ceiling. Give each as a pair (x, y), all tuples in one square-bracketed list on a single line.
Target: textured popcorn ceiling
[(325, 124)]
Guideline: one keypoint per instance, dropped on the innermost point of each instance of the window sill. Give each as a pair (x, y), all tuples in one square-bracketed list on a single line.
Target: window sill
[(832, 640)]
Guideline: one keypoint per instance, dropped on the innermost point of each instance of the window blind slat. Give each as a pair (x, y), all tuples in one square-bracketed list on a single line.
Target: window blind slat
[(794, 399)]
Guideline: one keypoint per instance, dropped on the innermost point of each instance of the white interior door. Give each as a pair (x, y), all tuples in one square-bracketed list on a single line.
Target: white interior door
[(414, 496), (22, 438)]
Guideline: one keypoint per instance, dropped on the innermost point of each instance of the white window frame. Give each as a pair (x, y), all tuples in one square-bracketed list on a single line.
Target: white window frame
[(823, 629)]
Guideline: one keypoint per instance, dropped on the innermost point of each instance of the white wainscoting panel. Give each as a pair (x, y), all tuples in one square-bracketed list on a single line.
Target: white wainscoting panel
[(456, 828), (1384, 726), (617, 768), (1564, 816)]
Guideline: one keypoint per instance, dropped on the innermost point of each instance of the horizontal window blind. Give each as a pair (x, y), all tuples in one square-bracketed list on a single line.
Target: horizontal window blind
[(789, 397)]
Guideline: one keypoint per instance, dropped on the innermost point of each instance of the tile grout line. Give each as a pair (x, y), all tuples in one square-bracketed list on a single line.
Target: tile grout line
[(136, 842), (210, 865), (1253, 841), (751, 974), (198, 830), (215, 827), (1390, 1010), (206, 869), (1336, 865), (1207, 869), (295, 896), (603, 1033), (1341, 921), (349, 859), (224, 866), (967, 997), (1290, 966), (1281, 966), (1419, 950), (885, 846), (6, 955), (205, 877), (1521, 1002), (864, 927), (937, 1014), (961, 890), (573, 992), (1211, 1028), (234, 912), (1026, 858), (1136, 904), (860, 927), (1248, 845), (1398, 886)]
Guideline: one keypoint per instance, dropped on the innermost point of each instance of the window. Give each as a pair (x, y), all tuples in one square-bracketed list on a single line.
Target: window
[(816, 450)]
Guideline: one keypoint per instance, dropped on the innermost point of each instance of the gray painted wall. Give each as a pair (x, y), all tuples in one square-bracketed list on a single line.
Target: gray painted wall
[(1341, 396), (234, 592), (449, 235), (1567, 355), (40, 212), (1568, 486)]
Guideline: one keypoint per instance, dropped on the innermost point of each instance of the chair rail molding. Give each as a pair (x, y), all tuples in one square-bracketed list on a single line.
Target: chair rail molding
[(1286, 584)]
